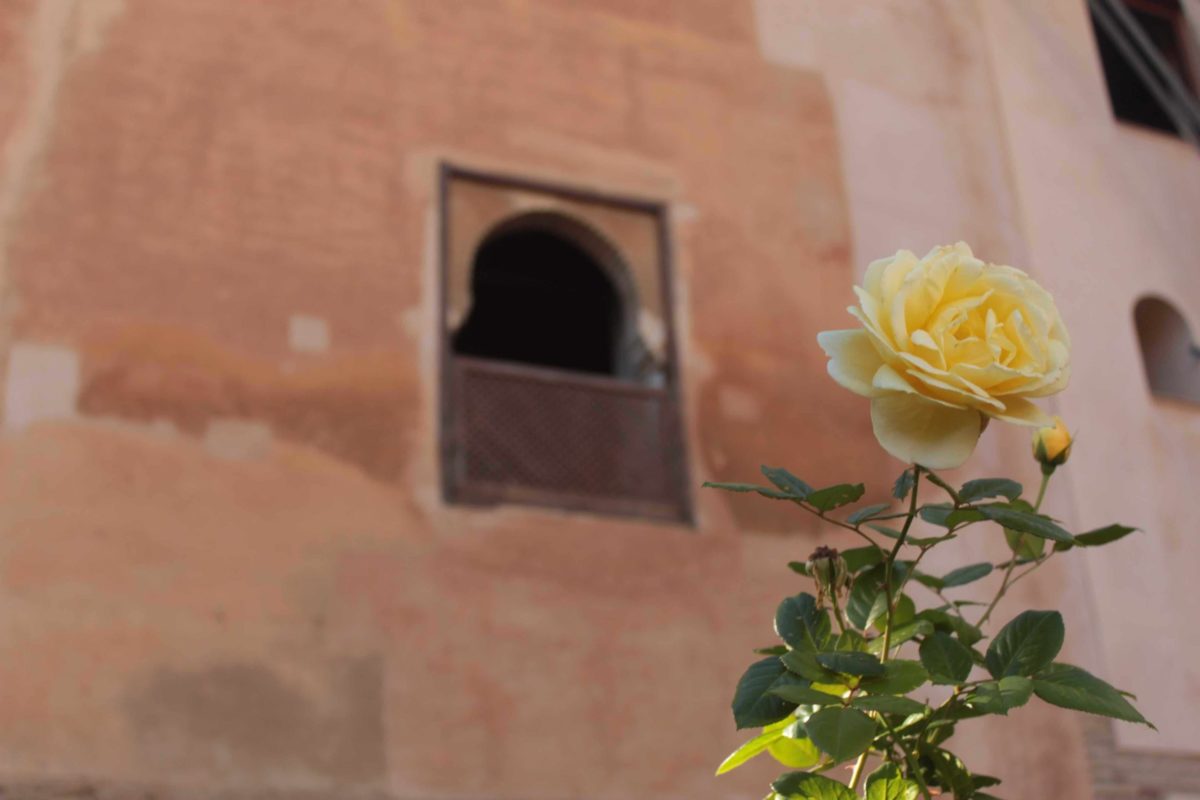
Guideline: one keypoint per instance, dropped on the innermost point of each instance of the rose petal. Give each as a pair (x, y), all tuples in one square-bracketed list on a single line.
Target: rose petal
[(919, 431), (1022, 412), (853, 360)]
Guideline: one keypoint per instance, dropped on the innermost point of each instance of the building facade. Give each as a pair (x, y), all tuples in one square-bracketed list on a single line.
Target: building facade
[(281, 518)]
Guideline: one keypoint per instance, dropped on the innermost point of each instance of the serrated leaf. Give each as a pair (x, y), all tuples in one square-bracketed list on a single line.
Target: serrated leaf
[(901, 634), (1070, 687), (982, 488), (900, 676), (753, 704), (800, 567), (1100, 536), (832, 497), (786, 481), (858, 558), (775, 650), (851, 663), (800, 623), (803, 662), (866, 512), (888, 704), (1026, 522), (1025, 546), (886, 783), (948, 661), (891, 533), (999, 697), (803, 694), (903, 484), (841, 733), (1026, 644), (967, 633), (795, 752), (807, 786), (968, 574), (765, 491), (951, 773), (750, 749)]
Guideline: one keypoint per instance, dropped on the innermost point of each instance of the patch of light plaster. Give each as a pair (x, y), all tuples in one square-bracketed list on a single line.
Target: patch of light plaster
[(42, 383), (237, 439), (787, 31), (738, 404), (308, 334)]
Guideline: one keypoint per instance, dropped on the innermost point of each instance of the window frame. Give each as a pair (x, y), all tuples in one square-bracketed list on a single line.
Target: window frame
[(449, 430)]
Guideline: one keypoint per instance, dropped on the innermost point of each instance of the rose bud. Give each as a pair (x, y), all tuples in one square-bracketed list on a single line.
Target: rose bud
[(1052, 446), (828, 569)]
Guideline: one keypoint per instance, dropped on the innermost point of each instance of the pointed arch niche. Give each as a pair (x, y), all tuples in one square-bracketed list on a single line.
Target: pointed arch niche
[(1170, 354), (559, 378)]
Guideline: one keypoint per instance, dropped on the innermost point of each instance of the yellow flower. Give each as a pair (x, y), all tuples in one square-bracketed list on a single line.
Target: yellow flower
[(948, 341), (1052, 445)]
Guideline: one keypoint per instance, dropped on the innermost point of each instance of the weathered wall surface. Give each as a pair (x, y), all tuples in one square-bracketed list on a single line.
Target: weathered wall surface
[(224, 561)]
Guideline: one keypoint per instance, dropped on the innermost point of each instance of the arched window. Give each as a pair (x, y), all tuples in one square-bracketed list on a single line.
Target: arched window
[(1169, 353), (559, 375), (544, 292)]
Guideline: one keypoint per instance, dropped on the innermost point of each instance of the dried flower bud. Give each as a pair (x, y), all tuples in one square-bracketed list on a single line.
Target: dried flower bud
[(828, 569), (1052, 446)]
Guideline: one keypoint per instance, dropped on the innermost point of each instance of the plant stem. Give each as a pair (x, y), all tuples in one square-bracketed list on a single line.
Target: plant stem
[(856, 775), (913, 769), (837, 611), (1008, 580), (888, 571)]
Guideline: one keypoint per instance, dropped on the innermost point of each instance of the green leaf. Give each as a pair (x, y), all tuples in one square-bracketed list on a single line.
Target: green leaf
[(765, 491), (786, 481), (926, 579), (888, 704), (901, 634), (967, 633), (1109, 533), (863, 592), (1026, 644), (1026, 522), (750, 749), (886, 783), (937, 513), (799, 621), (753, 704), (903, 484), (866, 512), (951, 773), (803, 694), (968, 574), (851, 663), (891, 533), (807, 786), (1071, 687), (795, 752), (800, 567), (1025, 546), (948, 660), (900, 676), (831, 497), (803, 662), (998, 697), (774, 650), (858, 558), (989, 487), (841, 733)]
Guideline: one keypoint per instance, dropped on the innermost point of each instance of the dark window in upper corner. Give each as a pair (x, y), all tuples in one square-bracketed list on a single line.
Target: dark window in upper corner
[(1165, 26)]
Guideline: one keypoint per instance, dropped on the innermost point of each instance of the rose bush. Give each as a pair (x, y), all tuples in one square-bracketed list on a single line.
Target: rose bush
[(947, 342)]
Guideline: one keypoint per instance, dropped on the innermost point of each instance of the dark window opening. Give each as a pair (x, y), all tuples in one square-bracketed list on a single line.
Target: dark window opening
[(540, 299), (1169, 354), (1132, 101)]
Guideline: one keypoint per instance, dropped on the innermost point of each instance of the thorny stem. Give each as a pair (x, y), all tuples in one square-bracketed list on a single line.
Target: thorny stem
[(1008, 580)]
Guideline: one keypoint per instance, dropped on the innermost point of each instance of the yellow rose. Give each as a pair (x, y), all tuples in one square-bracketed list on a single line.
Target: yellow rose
[(948, 341), (1052, 445)]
